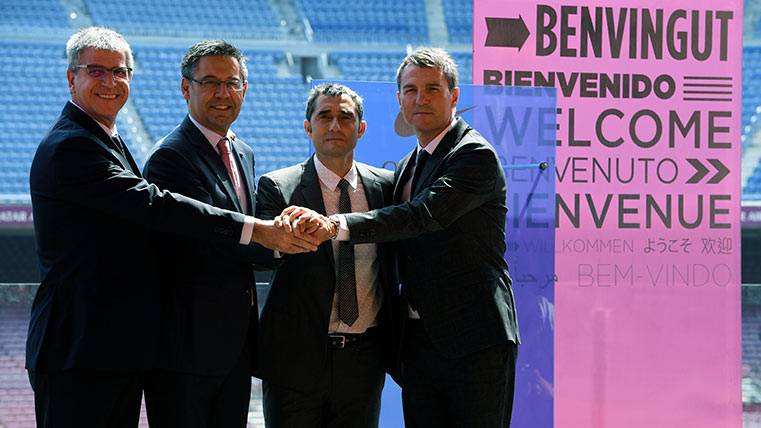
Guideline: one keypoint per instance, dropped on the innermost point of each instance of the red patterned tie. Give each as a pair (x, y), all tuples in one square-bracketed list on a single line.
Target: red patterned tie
[(232, 171)]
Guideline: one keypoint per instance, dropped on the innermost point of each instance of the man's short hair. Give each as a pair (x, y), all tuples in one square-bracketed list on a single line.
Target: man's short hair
[(430, 58), (334, 90), (97, 38), (211, 48)]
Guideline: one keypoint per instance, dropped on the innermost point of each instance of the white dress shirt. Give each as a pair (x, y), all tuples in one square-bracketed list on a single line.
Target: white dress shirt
[(366, 263)]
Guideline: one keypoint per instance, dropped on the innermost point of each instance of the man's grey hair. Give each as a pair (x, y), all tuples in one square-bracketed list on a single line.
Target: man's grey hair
[(430, 58), (334, 90), (211, 48), (97, 38)]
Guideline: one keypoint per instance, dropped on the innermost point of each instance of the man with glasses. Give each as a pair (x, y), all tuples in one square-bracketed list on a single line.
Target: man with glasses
[(93, 333), (209, 321)]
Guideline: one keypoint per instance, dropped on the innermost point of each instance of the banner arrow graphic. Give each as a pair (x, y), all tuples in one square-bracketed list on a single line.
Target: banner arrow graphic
[(700, 171), (721, 171), (506, 32)]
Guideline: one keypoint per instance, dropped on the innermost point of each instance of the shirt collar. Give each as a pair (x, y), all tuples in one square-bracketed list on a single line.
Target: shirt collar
[(109, 131), (330, 179), (211, 136), (431, 146)]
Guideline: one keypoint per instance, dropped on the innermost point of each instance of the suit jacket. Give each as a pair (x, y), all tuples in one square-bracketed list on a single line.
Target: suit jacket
[(294, 322), (209, 291), (452, 243), (97, 307)]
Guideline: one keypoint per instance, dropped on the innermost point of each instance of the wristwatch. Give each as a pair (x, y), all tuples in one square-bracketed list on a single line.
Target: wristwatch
[(336, 225)]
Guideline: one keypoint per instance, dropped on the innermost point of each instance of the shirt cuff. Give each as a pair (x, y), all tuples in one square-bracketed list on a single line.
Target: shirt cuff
[(343, 228), (248, 228)]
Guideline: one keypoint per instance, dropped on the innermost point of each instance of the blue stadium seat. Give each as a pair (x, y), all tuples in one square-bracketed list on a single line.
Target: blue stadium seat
[(381, 66), (33, 14), (189, 18), (344, 21), (458, 15), (28, 107)]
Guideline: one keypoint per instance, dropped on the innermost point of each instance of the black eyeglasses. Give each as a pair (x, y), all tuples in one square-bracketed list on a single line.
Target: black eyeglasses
[(99, 72), (212, 84)]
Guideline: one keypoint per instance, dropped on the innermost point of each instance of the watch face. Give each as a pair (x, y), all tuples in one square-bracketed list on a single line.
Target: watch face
[(335, 224)]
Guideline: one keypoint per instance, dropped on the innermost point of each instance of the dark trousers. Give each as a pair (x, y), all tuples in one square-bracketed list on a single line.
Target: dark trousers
[(80, 398), (194, 401), (347, 393), (473, 391)]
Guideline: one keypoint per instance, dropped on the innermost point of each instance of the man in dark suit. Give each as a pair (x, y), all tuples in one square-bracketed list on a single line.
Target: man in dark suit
[(210, 315), (460, 339), (93, 332), (327, 327)]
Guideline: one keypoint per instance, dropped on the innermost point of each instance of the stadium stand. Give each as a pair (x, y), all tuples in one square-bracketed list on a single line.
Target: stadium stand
[(751, 113), (370, 66), (465, 67), (189, 18), (32, 14), (458, 15), (381, 66), (33, 91), (390, 21), (31, 98), (751, 89), (752, 189)]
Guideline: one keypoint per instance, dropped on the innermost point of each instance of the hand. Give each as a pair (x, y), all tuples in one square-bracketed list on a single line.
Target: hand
[(303, 221), (320, 227), (294, 218), (277, 238)]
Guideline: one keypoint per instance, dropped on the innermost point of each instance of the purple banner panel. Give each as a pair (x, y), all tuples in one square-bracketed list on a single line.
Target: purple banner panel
[(520, 125), (15, 216), (647, 254)]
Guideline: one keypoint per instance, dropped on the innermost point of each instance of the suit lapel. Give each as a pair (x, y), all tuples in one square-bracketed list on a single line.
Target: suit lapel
[(373, 192), (312, 195), (103, 139), (402, 177), (130, 160), (125, 159), (211, 159), (445, 146)]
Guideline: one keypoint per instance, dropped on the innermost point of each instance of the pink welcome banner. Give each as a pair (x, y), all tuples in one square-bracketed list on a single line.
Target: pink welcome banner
[(647, 250)]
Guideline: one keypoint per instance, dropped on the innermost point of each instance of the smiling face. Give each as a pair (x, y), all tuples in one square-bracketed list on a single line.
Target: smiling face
[(426, 101), (101, 98), (334, 127), (216, 108)]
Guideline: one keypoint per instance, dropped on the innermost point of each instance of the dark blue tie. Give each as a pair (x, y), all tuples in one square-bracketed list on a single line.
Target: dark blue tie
[(420, 160)]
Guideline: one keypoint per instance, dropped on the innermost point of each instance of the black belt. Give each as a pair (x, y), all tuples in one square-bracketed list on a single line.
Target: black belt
[(342, 340)]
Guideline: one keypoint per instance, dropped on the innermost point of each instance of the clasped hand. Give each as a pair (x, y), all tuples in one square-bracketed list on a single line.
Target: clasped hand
[(295, 230), (304, 222)]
